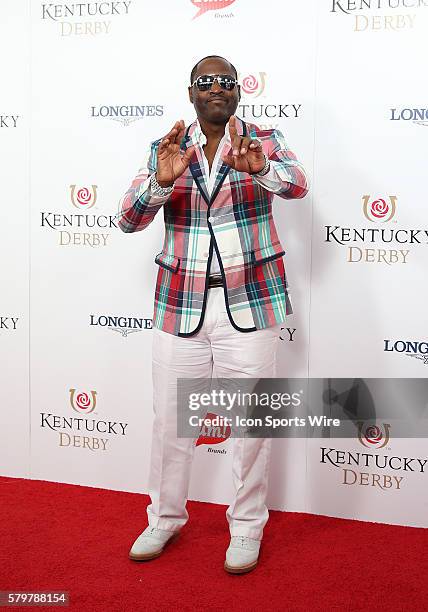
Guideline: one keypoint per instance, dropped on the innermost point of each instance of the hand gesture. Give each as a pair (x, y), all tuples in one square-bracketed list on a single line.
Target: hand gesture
[(247, 153), (171, 161)]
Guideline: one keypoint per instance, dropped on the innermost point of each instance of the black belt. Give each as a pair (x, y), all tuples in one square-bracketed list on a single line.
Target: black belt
[(215, 281)]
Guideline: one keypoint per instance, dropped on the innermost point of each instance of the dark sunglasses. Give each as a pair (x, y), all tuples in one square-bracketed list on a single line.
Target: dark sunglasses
[(206, 81)]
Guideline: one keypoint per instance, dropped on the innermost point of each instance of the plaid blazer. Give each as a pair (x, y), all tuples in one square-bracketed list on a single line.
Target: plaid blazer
[(236, 221)]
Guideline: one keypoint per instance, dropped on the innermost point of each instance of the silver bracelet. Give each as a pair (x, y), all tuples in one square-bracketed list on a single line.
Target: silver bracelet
[(265, 168), (157, 189)]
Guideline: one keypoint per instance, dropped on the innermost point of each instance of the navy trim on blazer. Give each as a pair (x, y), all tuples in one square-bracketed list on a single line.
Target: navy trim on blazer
[(162, 264), (226, 299), (254, 260), (214, 244)]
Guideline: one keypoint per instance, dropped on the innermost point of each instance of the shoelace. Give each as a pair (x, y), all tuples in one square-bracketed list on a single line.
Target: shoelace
[(242, 540), (151, 531)]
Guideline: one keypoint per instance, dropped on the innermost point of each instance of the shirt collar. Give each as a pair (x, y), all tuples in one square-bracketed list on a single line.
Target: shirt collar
[(200, 137)]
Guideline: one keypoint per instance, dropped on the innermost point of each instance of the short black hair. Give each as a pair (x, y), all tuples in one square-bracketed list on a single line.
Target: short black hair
[(195, 67)]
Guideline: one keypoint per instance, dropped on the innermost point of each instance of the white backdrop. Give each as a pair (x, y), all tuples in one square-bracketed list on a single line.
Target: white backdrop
[(343, 80)]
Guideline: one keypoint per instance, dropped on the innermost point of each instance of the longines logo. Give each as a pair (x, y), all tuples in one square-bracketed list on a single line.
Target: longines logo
[(410, 348), (213, 434), (9, 121), (8, 323), (82, 197), (364, 17), (126, 114), (122, 325), (372, 437), (204, 6), (417, 116), (379, 210), (72, 430), (84, 18)]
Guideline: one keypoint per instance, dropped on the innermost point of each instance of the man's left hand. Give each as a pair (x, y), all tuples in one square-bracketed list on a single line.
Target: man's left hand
[(247, 153)]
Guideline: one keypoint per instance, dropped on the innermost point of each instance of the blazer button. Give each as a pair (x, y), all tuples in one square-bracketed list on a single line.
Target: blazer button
[(210, 219)]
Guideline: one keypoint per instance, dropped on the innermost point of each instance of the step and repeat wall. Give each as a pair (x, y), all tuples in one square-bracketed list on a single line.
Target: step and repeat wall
[(85, 88)]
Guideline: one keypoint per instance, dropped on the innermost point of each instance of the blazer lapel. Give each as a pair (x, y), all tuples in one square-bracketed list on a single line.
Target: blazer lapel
[(222, 168), (196, 165)]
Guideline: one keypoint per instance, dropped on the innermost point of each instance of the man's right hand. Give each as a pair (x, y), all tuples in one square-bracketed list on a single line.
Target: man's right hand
[(171, 162)]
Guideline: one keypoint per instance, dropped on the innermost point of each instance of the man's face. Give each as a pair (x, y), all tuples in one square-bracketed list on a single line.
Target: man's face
[(215, 105)]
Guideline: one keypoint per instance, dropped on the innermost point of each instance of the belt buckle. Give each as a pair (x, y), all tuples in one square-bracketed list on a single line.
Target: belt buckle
[(215, 280)]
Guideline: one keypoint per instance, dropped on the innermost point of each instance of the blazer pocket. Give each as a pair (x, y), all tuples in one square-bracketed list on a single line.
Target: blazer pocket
[(264, 255), (169, 262)]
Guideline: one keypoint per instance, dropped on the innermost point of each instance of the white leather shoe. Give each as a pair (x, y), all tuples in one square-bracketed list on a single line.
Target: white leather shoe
[(242, 555), (150, 544)]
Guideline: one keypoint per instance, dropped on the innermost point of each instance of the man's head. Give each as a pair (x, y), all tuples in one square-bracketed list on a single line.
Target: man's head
[(216, 104)]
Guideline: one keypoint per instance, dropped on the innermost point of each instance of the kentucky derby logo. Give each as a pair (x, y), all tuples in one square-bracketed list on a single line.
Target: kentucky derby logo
[(253, 84), (371, 436), (210, 5), (213, 434), (83, 197), (83, 402), (379, 210)]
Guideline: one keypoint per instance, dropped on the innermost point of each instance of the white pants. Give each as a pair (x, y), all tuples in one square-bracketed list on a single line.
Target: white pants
[(233, 354)]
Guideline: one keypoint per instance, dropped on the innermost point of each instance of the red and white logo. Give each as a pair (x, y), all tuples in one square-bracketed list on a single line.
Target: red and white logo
[(253, 84), (380, 210), (210, 5), (372, 436), (83, 197), (83, 402), (213, 434)]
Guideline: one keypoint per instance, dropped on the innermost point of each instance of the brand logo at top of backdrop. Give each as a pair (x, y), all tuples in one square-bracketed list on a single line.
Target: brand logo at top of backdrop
[(89, 229), (127, 114), (83, 197), (215, 431), (122, 325), (204, 6), (418, 116), (372, 436), (82, 401), (85, 18), (410, 348), (376, 15), (8, 323), (252, 85), (79, 431), (8, 121), (380, 210)]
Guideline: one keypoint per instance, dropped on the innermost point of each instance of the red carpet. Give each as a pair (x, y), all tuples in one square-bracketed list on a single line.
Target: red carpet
[(76, 539)]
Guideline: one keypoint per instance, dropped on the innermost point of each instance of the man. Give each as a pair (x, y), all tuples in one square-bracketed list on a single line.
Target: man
[(221, 291)]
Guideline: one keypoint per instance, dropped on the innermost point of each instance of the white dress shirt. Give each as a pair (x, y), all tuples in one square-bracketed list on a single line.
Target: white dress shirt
[(270, 180)]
